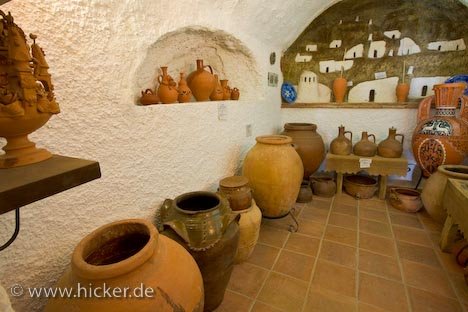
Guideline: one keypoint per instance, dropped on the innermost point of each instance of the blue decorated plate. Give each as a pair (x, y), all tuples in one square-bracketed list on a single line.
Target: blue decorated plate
[(459, 78), (288, 92)]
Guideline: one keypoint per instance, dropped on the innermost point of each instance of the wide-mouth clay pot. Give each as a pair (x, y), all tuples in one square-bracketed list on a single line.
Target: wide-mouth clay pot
[(360, 186), (405, 199)]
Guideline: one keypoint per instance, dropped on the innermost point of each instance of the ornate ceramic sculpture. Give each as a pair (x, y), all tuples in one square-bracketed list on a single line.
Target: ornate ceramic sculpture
[(27, 100)]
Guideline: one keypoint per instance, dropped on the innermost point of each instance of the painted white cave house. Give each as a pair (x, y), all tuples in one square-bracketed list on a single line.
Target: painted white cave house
[(311, 48), (376, 49), (309, 90), (356, 51), (422, 86), (335, 44), (392, 34), (332, 66), (382, 90), (408, 47), (443, 46), (302, 58)]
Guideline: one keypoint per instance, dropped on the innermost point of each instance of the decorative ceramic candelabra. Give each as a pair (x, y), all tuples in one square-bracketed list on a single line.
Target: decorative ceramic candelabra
[(27, 99)]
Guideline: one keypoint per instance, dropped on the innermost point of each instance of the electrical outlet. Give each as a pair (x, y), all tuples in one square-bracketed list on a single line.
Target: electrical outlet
[(248, 130)]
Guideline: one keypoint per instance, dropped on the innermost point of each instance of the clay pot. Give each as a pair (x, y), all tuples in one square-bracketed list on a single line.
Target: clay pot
[(433, 191), (130, 254), (275, 172), (309, 144), (305, 193), (460, 251), (341, 145), (365, 147), (226, 89), (237, 192), (235, 94), (323, 186), (218, 91), (339, 89), (167, 90), (185, 94), (148, 97), (201, 82), (203, 223), (359, 186), (405, 199), (249, 230), (442, 138), (391, 147), (402, 91)]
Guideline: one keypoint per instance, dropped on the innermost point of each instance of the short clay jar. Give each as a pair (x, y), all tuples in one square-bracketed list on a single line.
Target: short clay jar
[(405, 199), (237, 192), (235, 94), (391, 147), (305, 193), (365, 147), (323, 186)]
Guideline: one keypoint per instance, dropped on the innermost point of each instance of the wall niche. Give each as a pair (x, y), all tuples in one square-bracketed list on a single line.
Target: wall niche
[(179, 50), (370, 40)]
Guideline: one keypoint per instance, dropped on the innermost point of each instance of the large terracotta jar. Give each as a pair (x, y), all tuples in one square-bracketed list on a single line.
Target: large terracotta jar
[(309, 144), (275, 172), (130, 254), (249, 229), (365, 147), (201, 82), (341, 145), (442, 138), (391, 147), (433, 191), (204, 225)]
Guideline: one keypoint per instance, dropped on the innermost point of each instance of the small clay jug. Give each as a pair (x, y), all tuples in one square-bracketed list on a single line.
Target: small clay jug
[(167, 90), (226, 89), (391, 147), (402, 91), (365, 147), (201, 82), (148, 97), (305, 193), (341, 145), (339, 89), (235, 94), (185, 94), (218, 92), (323, 186)]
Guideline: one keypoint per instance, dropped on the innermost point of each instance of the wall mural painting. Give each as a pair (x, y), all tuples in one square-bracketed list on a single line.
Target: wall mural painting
[(376, 44)]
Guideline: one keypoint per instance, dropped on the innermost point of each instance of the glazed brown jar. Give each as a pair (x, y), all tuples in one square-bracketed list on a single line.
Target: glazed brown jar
[(391, 147), (341, 145), (365, 147)]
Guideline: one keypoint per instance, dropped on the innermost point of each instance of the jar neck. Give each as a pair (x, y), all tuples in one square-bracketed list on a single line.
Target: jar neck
[(445, 112)]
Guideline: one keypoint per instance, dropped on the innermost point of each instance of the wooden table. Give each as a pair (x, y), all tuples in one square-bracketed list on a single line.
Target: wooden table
[(377, 165), (456, 204)]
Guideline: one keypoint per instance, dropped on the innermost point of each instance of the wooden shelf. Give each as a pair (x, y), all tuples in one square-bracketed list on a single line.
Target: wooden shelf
[(26, 184), (363, 105)]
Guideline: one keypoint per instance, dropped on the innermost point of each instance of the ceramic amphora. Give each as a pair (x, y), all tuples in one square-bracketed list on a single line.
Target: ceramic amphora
[(365, 147), (201, 82), (167, 90), (391, 147), (341, 145)]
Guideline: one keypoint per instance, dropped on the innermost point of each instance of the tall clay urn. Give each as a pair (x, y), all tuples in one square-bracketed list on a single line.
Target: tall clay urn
[(365, 147), (203, 224), (402, 91), (142, 270), (442, 138), (275, 173), (391, 147), (339, 89), (341, 145), (309, 145), (201, 82), (433, 191)]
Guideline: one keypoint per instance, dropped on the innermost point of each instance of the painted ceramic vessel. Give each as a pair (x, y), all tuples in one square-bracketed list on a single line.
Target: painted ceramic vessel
[(167, 91), (405, 199), (442, 138), (218, 91), (339, 89), (237, 192), (341, 145), (365, 147), (323, 186), (391, 147), (201, 82), (309, 145), (249, 229), (185, 94), (402, 91), (130, 254), (275, 172), (148, 97)]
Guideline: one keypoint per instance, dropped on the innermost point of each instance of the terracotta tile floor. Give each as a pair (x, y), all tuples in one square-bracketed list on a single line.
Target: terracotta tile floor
[(348, 255)]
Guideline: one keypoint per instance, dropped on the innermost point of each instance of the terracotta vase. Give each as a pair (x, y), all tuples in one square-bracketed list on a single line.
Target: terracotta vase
[(185, 94), (305, 193), (27, 100), (203, 223), (226, 89), (323, 186), (235, 94), (275, 172), (130, 254), (148, 97), (359, 186), (249, 229), (218, 91), (201, 82), (341, 145), (365, 147), (339, 89), (433, 191), (402, 91), (309, 145), (391, 147), (167, 90), (442, 138), (405, 199), (237, 192)]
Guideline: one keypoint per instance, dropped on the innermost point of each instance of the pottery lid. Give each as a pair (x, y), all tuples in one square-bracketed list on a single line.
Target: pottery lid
[(298, 126), (274, 139), (234, 181)]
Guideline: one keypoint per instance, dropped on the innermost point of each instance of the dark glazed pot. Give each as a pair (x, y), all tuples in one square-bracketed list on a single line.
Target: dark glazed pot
[(305, 193)]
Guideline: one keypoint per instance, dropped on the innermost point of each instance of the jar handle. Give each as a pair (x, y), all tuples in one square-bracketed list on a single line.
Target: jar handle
[(371, 135), (148, 91), (402, 137), (160, 79), (351, 135), (209, 66), (464, 107), (161, 214), (424, 109)]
